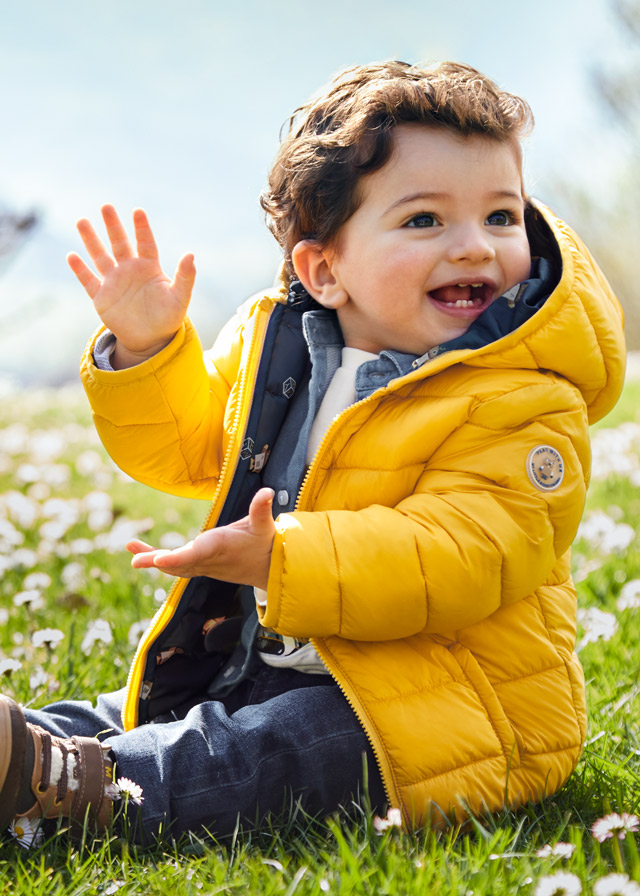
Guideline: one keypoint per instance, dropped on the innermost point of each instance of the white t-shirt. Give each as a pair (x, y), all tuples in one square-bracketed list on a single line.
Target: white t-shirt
[(290, 652)]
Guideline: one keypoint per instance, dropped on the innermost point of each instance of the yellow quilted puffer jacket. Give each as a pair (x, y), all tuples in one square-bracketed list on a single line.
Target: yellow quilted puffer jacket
[(428, 556)]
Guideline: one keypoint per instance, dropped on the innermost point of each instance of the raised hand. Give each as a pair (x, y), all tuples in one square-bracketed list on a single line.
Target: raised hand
[(239, 552), (133, 296)]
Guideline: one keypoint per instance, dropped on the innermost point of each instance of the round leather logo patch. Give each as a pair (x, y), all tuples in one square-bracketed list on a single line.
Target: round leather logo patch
[(545, 468)]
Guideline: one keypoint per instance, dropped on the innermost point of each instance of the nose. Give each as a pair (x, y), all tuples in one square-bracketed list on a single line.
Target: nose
[(471, 243)]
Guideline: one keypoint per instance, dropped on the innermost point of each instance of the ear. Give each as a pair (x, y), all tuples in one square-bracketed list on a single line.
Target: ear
[(315, 269)]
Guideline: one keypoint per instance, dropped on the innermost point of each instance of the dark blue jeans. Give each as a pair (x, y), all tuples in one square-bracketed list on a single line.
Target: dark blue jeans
[(281, 738)]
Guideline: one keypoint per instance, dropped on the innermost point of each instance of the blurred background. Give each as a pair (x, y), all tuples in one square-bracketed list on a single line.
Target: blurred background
[(177, 107)]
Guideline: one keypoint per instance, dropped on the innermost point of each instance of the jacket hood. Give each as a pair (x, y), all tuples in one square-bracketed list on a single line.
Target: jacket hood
[(577, 333)]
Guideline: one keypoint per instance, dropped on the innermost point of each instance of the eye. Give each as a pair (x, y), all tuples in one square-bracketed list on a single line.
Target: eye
[(422, 219), (500, 219)]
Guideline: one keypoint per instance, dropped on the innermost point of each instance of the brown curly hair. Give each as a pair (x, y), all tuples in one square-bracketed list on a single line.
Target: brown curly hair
[(346, 131)]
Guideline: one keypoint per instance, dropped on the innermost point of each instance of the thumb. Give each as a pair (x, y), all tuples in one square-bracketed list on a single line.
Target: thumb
[(260, 516)]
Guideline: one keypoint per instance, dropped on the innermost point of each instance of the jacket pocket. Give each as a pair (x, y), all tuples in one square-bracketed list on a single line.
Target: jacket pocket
[(508, 737)]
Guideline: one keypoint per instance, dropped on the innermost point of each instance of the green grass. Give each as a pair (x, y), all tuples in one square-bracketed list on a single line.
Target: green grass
[(50, 461)]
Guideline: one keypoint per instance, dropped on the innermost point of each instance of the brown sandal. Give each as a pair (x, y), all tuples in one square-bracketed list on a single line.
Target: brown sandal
[(26, 788)]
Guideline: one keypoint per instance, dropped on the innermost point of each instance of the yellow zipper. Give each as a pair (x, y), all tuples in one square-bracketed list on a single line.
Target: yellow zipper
[(386, 771), (248, 372)]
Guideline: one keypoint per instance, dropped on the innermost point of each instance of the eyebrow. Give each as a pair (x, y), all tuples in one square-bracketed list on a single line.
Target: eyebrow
[(434, 196), (413, 197)]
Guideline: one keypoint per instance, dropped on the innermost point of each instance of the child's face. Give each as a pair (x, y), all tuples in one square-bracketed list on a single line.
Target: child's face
[(438, 237)]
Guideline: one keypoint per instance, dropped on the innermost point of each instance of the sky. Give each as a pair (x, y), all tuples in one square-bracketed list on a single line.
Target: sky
[(177, 107)]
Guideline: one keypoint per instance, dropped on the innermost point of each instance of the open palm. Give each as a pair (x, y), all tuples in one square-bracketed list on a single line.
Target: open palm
[(133, 296)]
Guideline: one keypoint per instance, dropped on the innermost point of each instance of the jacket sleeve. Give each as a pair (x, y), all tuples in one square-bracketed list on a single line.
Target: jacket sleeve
[(474, 534), (164, 421)]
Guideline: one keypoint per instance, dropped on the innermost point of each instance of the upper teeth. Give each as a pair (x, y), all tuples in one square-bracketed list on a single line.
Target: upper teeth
[(470, 284)]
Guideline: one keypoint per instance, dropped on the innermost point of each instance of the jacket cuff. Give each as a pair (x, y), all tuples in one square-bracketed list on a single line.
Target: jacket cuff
[(318, 614), (151, 384)]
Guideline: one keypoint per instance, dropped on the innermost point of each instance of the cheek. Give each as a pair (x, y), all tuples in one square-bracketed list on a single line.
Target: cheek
[(406, 262), (386, 266), (520, 264), (526, 265)]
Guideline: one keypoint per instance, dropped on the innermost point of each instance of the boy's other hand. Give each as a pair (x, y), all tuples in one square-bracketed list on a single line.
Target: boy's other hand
[(239, 552), (133, 296)]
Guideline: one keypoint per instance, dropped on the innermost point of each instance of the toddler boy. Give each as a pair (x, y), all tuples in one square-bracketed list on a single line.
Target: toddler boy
[(395, 442)]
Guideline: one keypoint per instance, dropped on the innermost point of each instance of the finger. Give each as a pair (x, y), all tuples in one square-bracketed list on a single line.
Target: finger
[(95, 247), (185, 276), (120, 245), (145, 241), (183, 557), (260, 513), (173, 563), (143, 560), (135, 546), (84, 274), (155, 557)]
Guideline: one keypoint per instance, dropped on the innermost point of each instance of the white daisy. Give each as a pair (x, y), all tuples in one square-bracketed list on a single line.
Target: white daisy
[(629, 598), (559, 884), (38, 678), (23, 557), (616, 885), (393, 820), (123, 531), (32, 598), (23, 510), (39, 491), (9, 535), (49, 637), (54, 530), (89, 462), (563, 850), (603, 533), (27, 832), (597, 625), (81, 546), (73, 575), (615, 825), (46, 445), (97, 500), (39, 580), (615, 451), (7, 666), (98, 630), (130, 791), (112, 791)]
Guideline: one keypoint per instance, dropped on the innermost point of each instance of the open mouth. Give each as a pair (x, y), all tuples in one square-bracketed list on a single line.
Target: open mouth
[(463, 295)]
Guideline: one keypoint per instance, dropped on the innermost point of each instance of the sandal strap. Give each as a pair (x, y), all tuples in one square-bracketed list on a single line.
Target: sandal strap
[(45, 778), (93, 779), (63, 782)]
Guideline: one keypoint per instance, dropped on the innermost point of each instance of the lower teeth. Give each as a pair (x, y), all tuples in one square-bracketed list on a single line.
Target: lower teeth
[(461, 303)]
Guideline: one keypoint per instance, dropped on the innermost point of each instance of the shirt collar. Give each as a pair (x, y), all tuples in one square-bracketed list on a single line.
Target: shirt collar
[(323, 334)]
